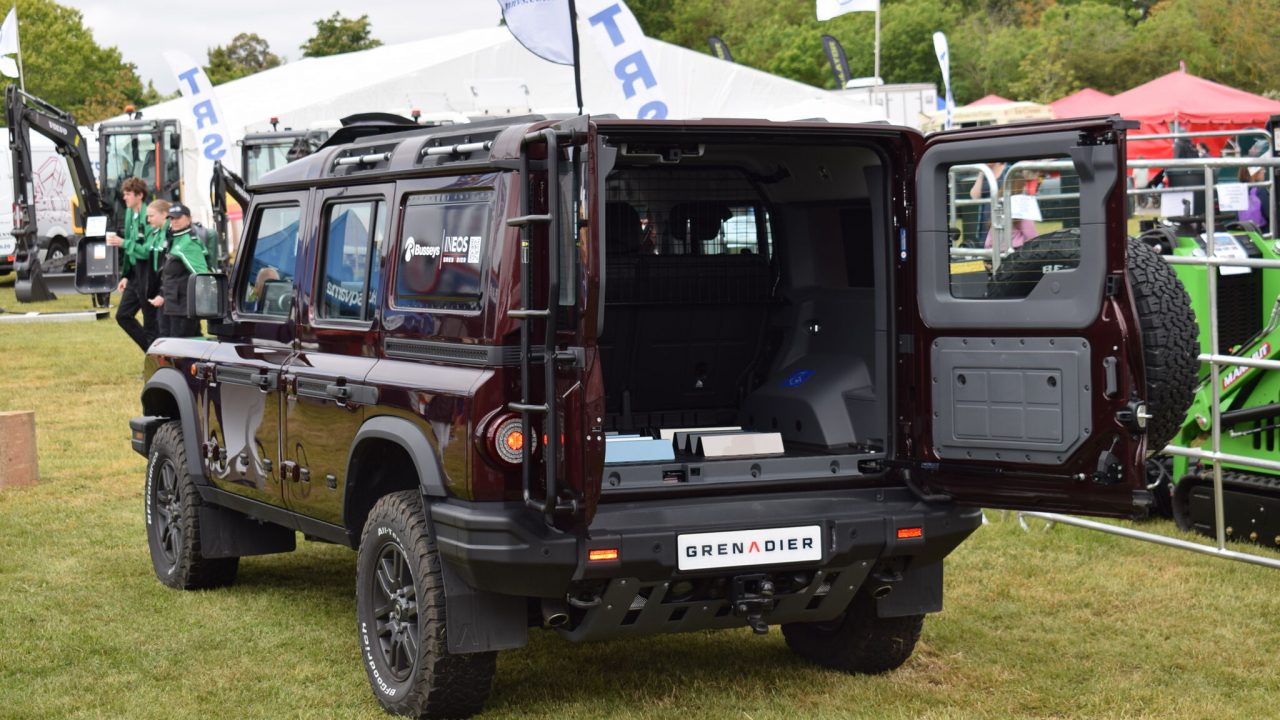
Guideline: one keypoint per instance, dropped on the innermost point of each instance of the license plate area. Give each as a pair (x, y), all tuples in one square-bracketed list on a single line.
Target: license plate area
[(749, 548)]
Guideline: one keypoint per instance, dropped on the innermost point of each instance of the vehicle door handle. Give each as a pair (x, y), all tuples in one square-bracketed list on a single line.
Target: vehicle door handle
[(341, 393)]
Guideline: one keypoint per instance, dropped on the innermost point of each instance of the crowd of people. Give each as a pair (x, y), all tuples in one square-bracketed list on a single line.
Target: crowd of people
[(160, 250)]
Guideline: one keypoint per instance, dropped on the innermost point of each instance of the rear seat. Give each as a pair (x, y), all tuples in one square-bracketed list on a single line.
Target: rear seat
[(691, 324)]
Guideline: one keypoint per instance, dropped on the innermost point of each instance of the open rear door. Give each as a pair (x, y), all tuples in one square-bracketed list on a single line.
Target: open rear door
[(1027, 376)]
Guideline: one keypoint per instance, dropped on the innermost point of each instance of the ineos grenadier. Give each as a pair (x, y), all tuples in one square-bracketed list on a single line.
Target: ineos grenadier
[(620, 377)]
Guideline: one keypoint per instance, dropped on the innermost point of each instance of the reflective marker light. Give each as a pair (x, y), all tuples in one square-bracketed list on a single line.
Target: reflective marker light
[(910, 532), (602, 555)]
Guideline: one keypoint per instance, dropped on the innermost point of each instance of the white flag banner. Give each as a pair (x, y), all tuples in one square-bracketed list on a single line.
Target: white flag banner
[(944, 61), (8, 66), (9, 34), (624, 49), (542, 26), (828, 9), (206, 115)]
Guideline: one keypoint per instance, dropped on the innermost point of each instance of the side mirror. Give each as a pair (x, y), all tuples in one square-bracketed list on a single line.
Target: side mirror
[(175, 142), (207, 296)]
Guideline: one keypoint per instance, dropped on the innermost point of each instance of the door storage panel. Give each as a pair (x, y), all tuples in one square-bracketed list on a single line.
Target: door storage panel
[(1020, 399)]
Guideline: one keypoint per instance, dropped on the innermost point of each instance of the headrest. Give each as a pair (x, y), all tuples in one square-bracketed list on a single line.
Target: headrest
[(698, 221), (622, 230)]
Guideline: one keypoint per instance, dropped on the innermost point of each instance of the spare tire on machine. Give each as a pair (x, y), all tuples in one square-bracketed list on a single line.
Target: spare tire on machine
[(1170, 336)]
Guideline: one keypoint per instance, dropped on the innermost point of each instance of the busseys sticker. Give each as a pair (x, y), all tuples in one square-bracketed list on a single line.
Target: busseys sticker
[(1240, 371), (737, 548), (412, 249)]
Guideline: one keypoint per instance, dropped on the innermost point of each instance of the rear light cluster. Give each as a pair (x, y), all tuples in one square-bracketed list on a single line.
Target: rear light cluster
[(508, 440)]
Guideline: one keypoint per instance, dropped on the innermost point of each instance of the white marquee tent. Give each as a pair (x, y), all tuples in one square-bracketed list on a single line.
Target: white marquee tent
[(487, 72)]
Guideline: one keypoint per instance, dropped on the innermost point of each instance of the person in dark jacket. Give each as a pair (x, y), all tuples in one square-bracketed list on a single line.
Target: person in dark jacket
[(136, 274), (184, 256)]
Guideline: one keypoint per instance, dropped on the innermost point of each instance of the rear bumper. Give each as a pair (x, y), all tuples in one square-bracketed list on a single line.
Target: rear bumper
[(504, 548)]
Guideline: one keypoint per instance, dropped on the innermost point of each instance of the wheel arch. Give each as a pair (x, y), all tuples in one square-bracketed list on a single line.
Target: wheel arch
[(166, 394), (406, 460)]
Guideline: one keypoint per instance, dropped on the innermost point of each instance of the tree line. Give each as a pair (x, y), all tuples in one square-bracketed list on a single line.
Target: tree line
[(1021, 49), (1037, 50)]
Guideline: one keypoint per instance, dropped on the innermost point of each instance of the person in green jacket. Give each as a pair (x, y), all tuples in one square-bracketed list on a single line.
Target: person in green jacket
[(136, 277), (184, 256)]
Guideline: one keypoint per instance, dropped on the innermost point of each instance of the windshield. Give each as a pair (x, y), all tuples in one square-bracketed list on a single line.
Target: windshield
[(262, 158), (128, 155)]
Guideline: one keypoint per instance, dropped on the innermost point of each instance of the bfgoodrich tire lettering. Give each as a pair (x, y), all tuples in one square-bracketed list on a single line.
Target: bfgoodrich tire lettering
[(400, 619), (858, 641), (173, 519)]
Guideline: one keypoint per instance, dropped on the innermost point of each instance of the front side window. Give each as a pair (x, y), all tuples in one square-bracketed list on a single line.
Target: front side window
[(267, 287), (441, 250), (353, 239)]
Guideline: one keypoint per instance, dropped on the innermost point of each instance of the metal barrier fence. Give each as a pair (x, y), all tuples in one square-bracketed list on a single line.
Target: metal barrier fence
[(1214, 359)]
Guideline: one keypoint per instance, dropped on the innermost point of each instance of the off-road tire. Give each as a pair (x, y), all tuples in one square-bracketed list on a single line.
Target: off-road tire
[(400, 619), (858, 641), (1170, 336), (172, 507), (1170, 342)]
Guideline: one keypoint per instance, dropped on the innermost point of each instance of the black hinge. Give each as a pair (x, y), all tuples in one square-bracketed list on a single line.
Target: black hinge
[(1114, 283), (906, 344)]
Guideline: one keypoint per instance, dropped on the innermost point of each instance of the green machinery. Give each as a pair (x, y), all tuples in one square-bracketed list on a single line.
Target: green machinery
[(1248, 317)]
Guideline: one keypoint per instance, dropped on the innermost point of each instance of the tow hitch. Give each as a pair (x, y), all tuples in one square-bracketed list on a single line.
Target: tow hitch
[(752, 597)]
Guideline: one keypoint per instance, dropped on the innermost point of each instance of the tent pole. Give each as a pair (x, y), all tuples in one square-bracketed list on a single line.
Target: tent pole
[(577, 64)]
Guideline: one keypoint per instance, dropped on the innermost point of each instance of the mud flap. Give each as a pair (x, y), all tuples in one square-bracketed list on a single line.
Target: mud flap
[(227, 533), (479, 621), (919, 591)]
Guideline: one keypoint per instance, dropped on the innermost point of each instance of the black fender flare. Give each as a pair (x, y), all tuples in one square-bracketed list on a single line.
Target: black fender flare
[(171, 382), (410, 437)]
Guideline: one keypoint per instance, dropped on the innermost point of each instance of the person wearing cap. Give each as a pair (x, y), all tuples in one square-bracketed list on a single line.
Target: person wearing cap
[(184, 256), (1259, 210), (135, 273)]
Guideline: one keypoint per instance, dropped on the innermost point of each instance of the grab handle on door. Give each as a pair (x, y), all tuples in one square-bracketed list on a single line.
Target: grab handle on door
[(341, 393)]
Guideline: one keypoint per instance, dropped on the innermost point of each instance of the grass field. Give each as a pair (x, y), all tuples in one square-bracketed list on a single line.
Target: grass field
[(1057, 624)]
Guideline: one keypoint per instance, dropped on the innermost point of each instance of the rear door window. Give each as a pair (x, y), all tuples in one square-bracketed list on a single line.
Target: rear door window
[(353, 238)]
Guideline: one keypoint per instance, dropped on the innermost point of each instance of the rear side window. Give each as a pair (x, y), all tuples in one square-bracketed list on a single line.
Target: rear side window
[(441, 251), (354, 234), (267, 288)]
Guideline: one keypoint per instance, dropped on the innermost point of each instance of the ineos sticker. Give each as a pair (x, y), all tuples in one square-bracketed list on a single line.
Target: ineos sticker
[(412, 249)]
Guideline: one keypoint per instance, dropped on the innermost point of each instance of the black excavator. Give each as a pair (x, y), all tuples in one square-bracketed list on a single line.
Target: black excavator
[(24, 114)]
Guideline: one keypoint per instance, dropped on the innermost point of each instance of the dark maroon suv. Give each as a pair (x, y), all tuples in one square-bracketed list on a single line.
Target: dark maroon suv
[(615, 377)]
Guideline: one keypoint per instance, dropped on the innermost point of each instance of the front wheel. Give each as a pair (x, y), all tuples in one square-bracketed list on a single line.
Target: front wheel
[(173, 519), (400, 619), (859, 641)]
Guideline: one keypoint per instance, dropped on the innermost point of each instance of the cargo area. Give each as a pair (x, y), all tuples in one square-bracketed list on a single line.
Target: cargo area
[(746, 292)]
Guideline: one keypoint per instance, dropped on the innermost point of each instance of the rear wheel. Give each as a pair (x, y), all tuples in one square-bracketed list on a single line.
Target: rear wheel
[(173, 519), (859, 641), (400, 618)]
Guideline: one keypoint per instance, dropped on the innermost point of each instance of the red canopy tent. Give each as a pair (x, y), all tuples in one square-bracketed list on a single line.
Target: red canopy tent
[(988, 100), (1082, 103), (1194, 103)]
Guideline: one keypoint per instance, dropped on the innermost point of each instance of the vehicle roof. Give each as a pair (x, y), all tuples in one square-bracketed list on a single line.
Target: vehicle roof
[(404, 147)]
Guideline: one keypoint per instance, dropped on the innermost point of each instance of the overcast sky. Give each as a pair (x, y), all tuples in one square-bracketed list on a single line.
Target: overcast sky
[(144, 29)]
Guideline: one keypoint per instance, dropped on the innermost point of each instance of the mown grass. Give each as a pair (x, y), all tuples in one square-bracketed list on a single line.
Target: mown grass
[(1057, 624)]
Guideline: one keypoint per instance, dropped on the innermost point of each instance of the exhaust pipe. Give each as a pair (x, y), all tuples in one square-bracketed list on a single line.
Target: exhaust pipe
[(554, 613)]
